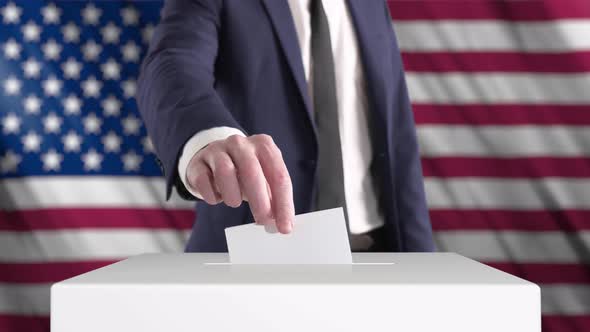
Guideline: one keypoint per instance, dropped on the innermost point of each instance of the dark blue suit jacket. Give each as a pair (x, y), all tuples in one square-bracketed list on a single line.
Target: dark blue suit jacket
[(237, 63)]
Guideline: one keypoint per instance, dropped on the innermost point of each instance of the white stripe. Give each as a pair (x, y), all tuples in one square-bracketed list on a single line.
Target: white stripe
[(504, 141), (493, 35), (24, 299), (490, 88), (71, 191), (565, 299), (510, 194), (86, 244), (34, 299), (518, 247), (56, 246)]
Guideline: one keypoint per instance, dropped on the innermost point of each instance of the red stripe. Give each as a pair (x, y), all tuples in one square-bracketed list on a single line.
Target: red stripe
[(25, 273), (547, 273), (488, 9), (501, 114), (50, 219), (17, 323), (565, 323), (503, 220), (570, 62), (531, 167)]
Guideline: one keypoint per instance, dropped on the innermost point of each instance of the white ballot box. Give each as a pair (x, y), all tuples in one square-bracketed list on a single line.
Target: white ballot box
[(379, 292)]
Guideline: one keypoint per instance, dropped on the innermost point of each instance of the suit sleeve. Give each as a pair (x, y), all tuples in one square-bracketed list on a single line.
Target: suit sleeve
[(176, 93), (410, 198)]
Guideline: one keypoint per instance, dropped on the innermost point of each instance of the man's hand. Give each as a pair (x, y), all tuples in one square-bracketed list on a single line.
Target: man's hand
[(245, 168)]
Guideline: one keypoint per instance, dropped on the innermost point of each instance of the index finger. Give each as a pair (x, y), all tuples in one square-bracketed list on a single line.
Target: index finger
[(279, 181), (251, 179)]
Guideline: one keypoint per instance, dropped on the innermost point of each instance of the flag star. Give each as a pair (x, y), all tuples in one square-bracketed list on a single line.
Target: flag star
[(31, 31), (50, 14), (130, 16), (111, 142), (130, 52), (91, 50), (111, 70), (52, 160), (71, 68), (52, 86), (12, 86), (147, 32), (71, 141), (9, 162), (110, 33), (11, 124), (92, 124), (32, 68), (32, 104), (11, 13), (72, 104), (148, 145), (52, 123), (91, 87), (51, 50), (131, 125), (129, 88), (131, 161), (91, 14), (12, 49), (71, 32), (31, 142), (111, 106), (92, 160)]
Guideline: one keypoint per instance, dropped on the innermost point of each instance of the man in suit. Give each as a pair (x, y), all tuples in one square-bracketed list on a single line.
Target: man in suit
[(261, 109)]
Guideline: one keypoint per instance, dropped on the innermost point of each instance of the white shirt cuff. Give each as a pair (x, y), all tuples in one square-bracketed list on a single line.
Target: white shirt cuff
[(195, 144)]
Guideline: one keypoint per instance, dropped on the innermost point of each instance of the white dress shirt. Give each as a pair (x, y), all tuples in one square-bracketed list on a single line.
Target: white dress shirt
[(357, 152)]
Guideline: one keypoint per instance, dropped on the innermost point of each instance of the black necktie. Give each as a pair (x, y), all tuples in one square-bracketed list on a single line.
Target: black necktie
[(330, 173)]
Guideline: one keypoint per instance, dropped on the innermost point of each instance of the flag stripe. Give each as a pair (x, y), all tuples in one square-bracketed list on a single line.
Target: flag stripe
[(556, 323), (542, 273), (87, 244), (504, 141), (501, 114), (45, 272), (23, 299), (15, 323), (87, 192), (460, 35), (488, 9), (496, 62), (517, 246), (556, 299), (508, 194), (63, 218), (532, 167), (565, 299), (504, 88), (506, 220)]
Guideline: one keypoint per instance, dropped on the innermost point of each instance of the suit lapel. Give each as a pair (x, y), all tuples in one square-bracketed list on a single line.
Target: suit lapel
[(280, 16), (378, 68)]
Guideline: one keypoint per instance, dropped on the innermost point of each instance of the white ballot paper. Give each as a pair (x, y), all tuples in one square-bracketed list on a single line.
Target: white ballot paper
[(317, 238)]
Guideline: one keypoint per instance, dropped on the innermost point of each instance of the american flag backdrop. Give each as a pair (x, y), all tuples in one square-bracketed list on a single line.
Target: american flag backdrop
[(501, 97)]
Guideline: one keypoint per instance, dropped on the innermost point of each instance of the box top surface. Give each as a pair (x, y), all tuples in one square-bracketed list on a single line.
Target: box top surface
[(369, 268)]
